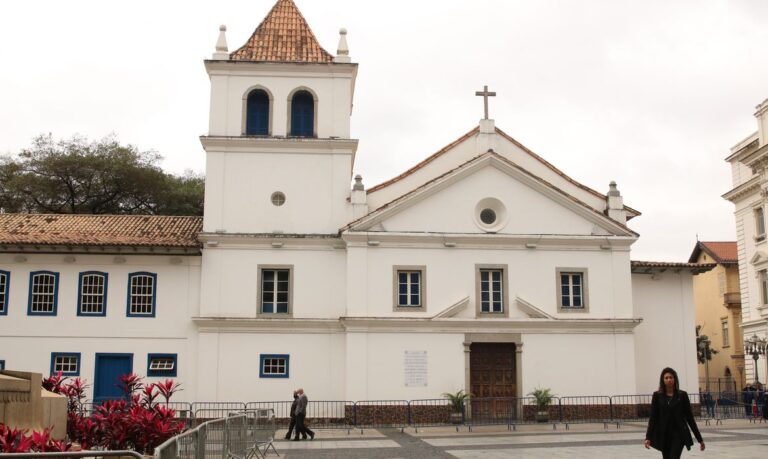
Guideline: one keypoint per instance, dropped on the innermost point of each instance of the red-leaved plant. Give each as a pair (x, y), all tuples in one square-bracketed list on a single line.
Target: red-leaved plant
[(16, 441), (136, 422)]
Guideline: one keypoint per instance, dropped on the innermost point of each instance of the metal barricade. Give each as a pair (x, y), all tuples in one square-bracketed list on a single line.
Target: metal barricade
[(321, 414), (630, 408), (494, 411), (220, 438), (381, 413), (205, 411), (434, 412), (583, 409)]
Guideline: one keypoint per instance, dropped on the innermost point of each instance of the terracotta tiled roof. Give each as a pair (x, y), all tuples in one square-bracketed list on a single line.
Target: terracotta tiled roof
[(651, 266), (283, 36), (100, 230), (722, 252)]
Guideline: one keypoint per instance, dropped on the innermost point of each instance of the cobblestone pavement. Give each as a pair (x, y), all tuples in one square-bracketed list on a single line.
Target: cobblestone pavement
[(735, 439)]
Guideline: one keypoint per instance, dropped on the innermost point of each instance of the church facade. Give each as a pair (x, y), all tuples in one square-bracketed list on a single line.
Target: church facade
[(483, 267)]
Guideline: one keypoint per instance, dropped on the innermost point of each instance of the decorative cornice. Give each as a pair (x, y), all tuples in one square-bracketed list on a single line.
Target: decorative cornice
[(743, 190), (279, 69), (285, 145), (271, 241), (238, 325), (486, 240), (411, 324)]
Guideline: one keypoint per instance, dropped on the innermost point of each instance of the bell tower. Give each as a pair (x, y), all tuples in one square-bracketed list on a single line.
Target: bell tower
[(279, 155)]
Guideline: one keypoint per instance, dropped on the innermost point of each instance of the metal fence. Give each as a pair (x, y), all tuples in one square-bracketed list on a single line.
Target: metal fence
[(477, 411), (237, 436)]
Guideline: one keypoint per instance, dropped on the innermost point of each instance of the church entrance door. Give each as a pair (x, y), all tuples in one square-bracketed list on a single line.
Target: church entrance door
[(492, 379)]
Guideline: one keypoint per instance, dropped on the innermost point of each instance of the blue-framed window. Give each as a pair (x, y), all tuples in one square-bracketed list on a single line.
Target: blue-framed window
[(303, 114), (92, 293), (257, 113), (68, 363), (5, 284), (142, 292), (43, 293), (2, 364), (274, 365), (162, 365)]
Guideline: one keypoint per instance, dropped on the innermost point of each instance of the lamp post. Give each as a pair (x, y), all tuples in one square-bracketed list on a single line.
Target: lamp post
[(756, 347), (704, 348)]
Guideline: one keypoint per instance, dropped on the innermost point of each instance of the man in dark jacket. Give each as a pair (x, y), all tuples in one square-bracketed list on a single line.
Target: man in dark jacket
[(293, 415), (301, 415)]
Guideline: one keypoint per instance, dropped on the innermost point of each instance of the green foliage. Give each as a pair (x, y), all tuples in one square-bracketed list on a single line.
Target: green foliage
[(77, 176), (542, 397), (457, 400), (704, 350)]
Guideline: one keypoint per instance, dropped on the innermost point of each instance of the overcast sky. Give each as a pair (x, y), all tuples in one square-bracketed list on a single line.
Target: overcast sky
[(649, 93)]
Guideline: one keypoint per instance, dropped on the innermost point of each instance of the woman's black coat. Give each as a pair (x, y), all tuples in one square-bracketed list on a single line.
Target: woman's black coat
[(678, 412)]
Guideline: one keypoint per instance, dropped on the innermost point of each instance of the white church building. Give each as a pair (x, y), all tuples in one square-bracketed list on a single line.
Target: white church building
[(483, 267)]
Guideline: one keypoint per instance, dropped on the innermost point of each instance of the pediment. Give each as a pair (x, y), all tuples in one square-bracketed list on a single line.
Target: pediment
[(759, 258), (521, 202)]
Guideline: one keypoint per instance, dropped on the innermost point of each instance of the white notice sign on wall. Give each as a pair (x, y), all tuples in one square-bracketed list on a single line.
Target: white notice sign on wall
[(415, 366)]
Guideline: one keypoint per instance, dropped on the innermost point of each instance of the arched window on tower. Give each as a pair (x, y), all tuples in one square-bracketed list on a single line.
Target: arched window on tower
[(257, 113), (303, 114)]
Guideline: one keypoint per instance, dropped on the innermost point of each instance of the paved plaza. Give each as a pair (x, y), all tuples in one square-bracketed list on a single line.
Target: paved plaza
[(735, 439)]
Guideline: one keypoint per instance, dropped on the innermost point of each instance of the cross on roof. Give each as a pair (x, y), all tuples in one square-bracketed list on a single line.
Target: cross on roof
[(485, 95)]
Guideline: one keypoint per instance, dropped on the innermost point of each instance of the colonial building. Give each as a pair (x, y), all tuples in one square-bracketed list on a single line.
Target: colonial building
[(718, 315), (483, 267), (749, 168)]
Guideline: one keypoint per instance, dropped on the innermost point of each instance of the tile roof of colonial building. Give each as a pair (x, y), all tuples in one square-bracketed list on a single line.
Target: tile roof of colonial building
[(99, 230), (283, 36), (647, 267), (721, 252)]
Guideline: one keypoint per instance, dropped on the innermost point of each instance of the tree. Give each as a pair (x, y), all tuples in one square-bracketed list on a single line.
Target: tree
[(704, 350), (76, 176)]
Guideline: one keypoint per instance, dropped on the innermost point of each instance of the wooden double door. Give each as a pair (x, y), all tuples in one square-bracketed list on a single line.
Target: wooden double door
[(492, 380)]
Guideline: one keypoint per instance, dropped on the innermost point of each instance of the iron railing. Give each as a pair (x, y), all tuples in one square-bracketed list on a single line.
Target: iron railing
[(237, 436)]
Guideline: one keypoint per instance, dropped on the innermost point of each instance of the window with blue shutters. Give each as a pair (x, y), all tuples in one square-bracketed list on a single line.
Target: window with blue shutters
[(257, 113), (142, 292), (5, 282), (92, 294), (43, 293), (303, 114)]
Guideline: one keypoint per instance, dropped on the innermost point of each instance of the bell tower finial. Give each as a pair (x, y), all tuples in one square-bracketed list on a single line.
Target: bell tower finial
[(342, 52), (222, 51)]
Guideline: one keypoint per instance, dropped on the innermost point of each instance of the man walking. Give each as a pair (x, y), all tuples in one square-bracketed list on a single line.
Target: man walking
[(301, 415), (293, 415)]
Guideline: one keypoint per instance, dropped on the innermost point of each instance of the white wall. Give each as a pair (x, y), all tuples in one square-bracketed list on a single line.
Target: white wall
[(26, 342), (376, 370), (667, 336), (474, 146), (229, 366), (574, 364), (231, 287), (450, 277), (454, 209)]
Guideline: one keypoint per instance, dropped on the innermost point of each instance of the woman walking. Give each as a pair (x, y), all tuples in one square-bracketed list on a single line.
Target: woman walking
[(671, 416)]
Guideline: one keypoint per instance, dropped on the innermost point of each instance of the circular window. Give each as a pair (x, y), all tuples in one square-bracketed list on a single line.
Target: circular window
[(488, 216), (491, 215), (278, 198)]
